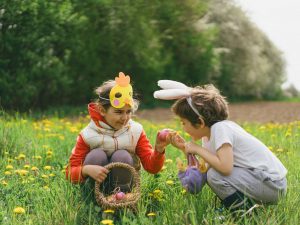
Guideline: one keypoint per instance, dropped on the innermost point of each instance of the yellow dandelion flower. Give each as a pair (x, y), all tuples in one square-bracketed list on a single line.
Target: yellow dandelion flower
[(109, 222), (22, 172), (151, 214), (9, 167), (46, 188), (19, 210), (51, 175), (270, 148), (169, 182), (26, 166), (168, 161), (4, 183), (109, 211), (183, 191), (157, 191), (34, 168), (49, 153), (7, 173), (21, 156), (45, 176), (47, 167), (38, 157)]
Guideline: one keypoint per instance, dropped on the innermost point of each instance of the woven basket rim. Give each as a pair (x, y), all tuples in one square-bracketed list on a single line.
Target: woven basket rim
[(101, 198)]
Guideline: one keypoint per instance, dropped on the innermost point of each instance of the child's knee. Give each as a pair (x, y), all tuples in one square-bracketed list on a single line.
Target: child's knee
[(96, 157), (122, 156), (213, 177)]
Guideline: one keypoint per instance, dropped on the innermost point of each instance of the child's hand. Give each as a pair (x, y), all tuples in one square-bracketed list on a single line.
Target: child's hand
[(163, 138), (178, 141), (191, 148), (98, 173)]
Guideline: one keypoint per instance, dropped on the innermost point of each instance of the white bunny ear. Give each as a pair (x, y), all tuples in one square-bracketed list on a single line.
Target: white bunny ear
[(171, 84), (171, 94)]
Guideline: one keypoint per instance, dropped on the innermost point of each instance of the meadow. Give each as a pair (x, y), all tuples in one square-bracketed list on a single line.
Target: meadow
[(33, 189)]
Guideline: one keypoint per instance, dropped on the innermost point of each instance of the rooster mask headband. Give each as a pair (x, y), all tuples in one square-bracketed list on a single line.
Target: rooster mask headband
[(121, 93)]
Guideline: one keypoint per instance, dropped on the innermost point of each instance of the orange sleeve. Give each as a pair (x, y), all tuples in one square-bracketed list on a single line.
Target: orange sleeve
[(79, 152), (151, 160)]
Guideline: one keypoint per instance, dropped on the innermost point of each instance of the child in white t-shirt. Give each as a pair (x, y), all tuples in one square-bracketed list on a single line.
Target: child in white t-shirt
[(242, 168)]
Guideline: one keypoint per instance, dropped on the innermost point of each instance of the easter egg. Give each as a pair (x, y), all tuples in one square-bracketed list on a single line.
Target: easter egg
[(162, 135), (120, 195)]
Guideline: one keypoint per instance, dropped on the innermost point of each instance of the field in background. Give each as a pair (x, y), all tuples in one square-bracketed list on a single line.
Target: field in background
[(257, 112), (33, 189)]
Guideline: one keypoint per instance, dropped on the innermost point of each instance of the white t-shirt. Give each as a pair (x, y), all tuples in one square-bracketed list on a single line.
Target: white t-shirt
[(248, 151)]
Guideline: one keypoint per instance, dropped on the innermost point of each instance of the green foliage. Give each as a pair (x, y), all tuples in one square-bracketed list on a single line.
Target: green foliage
[(251, 66), (56, 52), (34, 48)]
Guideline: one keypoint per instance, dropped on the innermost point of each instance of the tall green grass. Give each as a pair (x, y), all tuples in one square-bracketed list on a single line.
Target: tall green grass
[(34, 154)]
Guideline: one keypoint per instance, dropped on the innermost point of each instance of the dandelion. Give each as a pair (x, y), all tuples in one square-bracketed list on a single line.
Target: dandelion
[(183, 191), (27, 166), (45, 176), (151, 214), (51, 175), (34, 168), (109, 211), (109, 222), (9, 167), (21, 156), (4, 183), (47, 167), (169, 182), (49, 153), (7, 173), (38, 157), (46, 188), (21, 172), (168, 161), (19, 210)]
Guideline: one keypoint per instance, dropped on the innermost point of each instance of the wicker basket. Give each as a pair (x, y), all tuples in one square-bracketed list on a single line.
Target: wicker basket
[(129, 201)]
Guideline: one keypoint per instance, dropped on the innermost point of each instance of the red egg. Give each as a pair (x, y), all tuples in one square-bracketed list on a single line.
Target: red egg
[(162, 135), (120, 195)]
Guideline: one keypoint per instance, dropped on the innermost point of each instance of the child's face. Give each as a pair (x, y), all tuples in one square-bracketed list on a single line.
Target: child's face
[(117, 118), (195, 132)]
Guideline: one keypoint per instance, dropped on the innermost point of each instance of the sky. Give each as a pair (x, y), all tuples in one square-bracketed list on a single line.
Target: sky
[(279, 20)]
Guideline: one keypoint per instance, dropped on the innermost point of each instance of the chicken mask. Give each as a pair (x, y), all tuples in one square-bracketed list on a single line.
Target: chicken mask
[(121, 93)]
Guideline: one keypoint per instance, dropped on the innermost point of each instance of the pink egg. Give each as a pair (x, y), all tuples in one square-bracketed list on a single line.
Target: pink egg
[(120, 195), (162, 135)]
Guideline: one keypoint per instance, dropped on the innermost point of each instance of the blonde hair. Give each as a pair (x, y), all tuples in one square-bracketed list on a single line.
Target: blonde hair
[(208, 101), (103, 95)]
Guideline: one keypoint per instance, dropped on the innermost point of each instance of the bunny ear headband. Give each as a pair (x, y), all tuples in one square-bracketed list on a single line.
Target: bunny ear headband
[(174, 90)]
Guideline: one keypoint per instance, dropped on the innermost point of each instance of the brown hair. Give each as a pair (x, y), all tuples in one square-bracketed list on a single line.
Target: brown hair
[(103, 95), (208, 101)]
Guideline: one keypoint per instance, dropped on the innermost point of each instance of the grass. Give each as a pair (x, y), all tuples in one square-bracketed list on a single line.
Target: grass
[(34, 153)]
